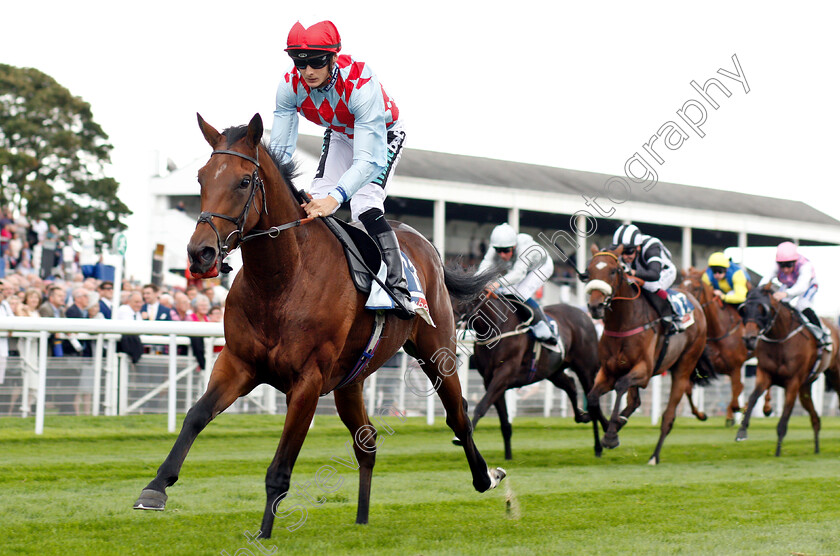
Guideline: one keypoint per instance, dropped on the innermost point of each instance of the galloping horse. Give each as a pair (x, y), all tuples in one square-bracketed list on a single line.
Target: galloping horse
[(504, 356), (725, 332), (294, 319), (631, 346), (787, 356)]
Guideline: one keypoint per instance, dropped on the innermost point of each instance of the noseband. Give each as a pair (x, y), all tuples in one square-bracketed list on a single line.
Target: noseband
[(609, 298), (207, 217)]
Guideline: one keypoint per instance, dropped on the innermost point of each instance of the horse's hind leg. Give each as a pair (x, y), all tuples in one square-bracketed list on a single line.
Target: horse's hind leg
[(781, 428), (226, 384), (566, 383), (694, 411), (504, 423), (768, 404), (808, 404), (301, 401), (350, 404), (440, 364)]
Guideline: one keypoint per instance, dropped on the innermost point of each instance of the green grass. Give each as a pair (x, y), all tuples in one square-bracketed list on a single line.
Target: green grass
[(70, 491)]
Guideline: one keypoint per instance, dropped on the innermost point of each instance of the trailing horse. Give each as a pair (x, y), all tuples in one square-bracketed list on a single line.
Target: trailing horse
[(788, 356), (725, 332), (634, 345), (506, 357), (295, 320)]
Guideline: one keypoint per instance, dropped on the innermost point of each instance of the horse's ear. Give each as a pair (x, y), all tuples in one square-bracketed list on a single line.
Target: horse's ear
[(619, 250), (210, 134), (255, 130), (594, 249)]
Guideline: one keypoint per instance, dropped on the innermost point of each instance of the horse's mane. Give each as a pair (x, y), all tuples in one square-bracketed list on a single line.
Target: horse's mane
[(288, 170)]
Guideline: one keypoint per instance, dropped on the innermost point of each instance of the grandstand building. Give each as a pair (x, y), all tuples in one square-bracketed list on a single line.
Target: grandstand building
[(456, 201)]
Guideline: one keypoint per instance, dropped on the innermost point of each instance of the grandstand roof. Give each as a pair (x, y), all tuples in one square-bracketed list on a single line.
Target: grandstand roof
[(432, 165)]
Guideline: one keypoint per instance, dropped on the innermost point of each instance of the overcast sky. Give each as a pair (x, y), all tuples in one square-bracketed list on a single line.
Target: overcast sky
[(579, 85)]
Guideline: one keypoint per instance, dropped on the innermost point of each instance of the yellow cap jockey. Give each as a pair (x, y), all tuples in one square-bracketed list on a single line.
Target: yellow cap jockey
[(726, 277)]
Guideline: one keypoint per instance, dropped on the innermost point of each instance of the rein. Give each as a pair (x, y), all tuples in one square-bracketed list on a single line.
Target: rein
[(637, 282), (224, 247)]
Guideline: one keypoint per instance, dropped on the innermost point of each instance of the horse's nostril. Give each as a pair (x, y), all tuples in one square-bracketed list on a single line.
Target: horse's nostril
[(207, 254)]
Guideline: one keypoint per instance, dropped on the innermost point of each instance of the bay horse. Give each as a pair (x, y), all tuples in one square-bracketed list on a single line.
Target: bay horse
[(725, 333), (631, 346), (294, 319), (504, 353), (787, 355)]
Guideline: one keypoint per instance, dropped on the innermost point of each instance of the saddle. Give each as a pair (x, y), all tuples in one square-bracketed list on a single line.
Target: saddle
[(358, 246)]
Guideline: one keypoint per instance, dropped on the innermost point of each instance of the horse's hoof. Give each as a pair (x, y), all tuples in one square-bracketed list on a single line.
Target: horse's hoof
[(610, 441), (597, 453), (741, 436), (730, 422), (457, 441), (653, 460), (496, 476), (702, 416), (583, 418), (151, 500), (768, 412)]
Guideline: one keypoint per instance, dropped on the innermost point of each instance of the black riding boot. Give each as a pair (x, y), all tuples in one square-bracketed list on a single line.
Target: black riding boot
[(822, 337), (395, 281), (663, 307)]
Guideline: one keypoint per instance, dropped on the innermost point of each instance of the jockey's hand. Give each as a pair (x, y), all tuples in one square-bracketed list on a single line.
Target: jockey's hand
[(320, 207), (719, 293), (778, 296), (492, 287)]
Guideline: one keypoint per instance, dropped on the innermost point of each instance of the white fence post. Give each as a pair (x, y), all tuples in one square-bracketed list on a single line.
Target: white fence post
[(655, 399), (97, 375), (173, 383), (43, 342)]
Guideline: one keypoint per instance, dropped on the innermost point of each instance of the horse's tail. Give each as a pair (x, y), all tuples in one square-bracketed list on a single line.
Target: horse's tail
[(704, 372), (465, 285)]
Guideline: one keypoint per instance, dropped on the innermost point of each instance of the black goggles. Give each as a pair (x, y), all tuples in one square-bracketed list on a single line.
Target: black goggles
[(787, 264), (314, 62), (503, 249), (718, 270)]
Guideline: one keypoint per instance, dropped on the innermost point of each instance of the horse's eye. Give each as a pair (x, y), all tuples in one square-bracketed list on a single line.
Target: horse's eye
[(612, 272), (245, 182)]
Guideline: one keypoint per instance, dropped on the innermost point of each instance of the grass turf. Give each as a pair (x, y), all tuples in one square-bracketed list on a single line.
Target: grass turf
[(70, 491)]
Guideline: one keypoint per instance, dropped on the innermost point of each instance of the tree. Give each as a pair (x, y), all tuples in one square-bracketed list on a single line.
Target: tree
[(52, 155)]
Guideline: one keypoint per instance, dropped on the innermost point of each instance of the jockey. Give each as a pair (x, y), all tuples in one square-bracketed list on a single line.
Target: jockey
[(799, 285), (646, 257), (527, 267), (728, 279), (362, 144)]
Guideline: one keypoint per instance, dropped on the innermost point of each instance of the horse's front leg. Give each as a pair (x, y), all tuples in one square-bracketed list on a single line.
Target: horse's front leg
[(301, 401), (762, 383), (230, 379), (636, 377)]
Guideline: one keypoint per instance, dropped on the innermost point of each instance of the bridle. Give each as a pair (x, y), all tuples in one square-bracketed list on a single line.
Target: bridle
[(224, 247), (609, 298), (762, 333)]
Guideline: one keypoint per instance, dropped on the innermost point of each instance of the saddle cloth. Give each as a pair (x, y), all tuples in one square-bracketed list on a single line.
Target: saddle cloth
[(683, 309), (379, 298)]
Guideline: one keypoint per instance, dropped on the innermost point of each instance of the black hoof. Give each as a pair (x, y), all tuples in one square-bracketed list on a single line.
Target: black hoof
[(151, 500), (702, 416), (583, 418), (768, 412), (610, 441), (730, 422), (456, 441), (741, 436)]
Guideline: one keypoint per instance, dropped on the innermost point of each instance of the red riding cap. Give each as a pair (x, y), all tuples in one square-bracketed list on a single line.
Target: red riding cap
[(320, 36)]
